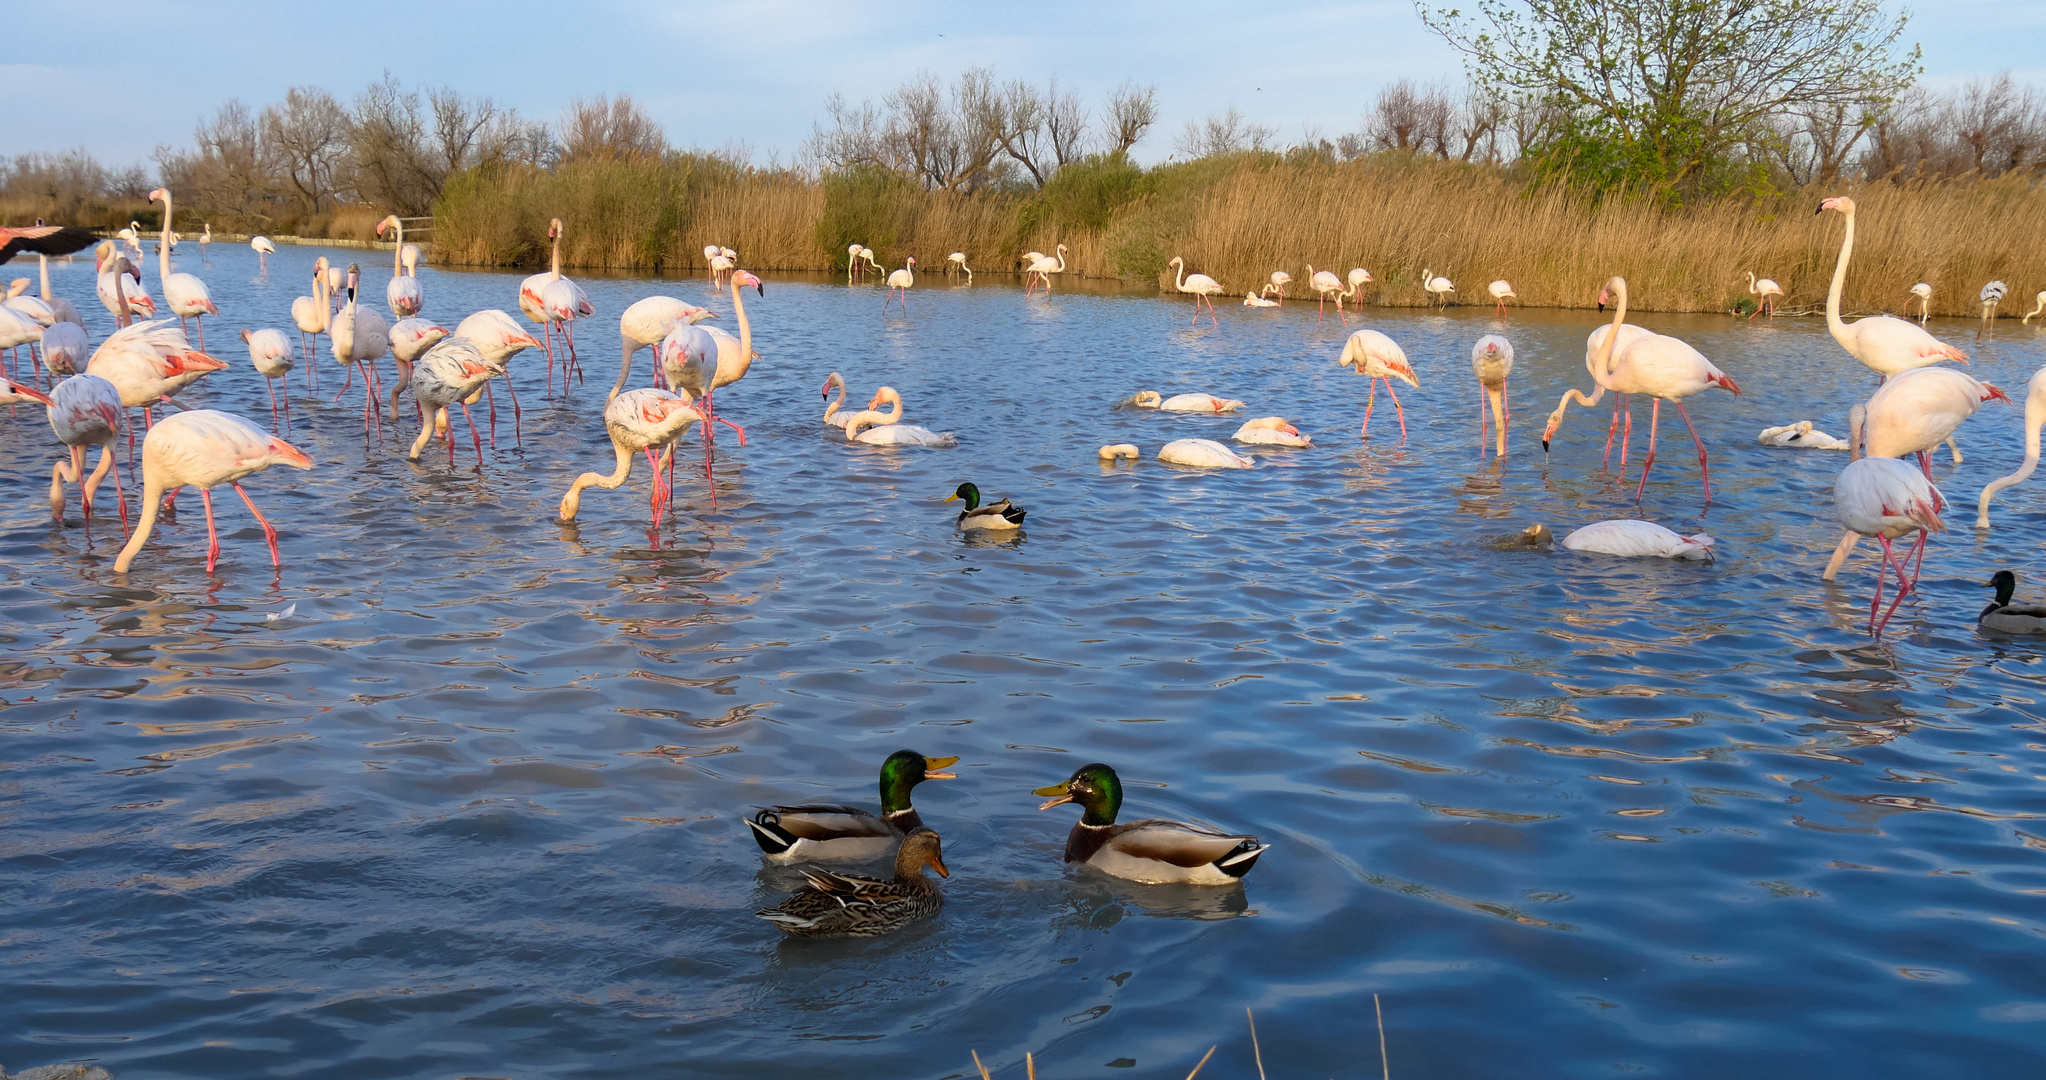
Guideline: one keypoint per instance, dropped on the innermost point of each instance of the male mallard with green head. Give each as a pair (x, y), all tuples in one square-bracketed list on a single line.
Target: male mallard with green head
[(1001, 515), (2006, 617), (841, 905), (1155, 852), (804, 833)]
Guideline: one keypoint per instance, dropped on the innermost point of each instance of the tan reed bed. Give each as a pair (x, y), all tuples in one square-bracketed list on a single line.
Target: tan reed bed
[(1238, 219)]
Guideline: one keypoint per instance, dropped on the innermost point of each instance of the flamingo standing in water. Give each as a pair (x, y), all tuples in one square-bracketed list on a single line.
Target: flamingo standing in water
[(1281, 279), (1326, 285), (361, 337), (1203, 288), (1923, 292), (1768, 291), (1883, 344), (1657, 365), (1437, 288), (312, 314), (16, 330), (121, 301), (1992, 295), (958, 259), (449, 373), (2035, 419), (263, 248), (1044, 267), (65, 309), (402, 293), (85, 410), (637, 421), (1491, 362), (1376, 357), (270, 352), (534, 306), (852, 261), (185, 293), (2038, 302), (410, 338), (205, 449), (564, 302), (1884, 498), (65, 348), (898, 285), (1501, 290), (646, 323), (499, 338)]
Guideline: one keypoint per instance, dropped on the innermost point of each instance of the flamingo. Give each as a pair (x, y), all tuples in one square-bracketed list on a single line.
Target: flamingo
[(147, 362), (1437, 288), (1044, 268), (270, 352), (1326, 284), (637, 421), (2038, 302), (720, 267), (31, 306), (206, 240), (1198, 403), (1992, 295), (312, 315), (2035, 418), (688, 357), (118, 299), (185, 293), (1768, 291), (43, 240), (1202, 454), (18, 393), (1255, 300), (1280, 279), (361, 337), (65, 309), (1271, 431), (832, 414), (336, 278), (532, 305), (1492, 362), (1662, 367), (958, 259), (499, 338), (1501, 290), (873, 266), (857, 430), (410, 338), (565, 302), (1201, 286), (646, 323), (1376, 357), (1883, 344), (402, 294), (1924, 294), (710, 256), (1914, 412), (448, 373), (65, 348), (852, 260), (16, 330), (85, 410), (1884, 498), (735, 355), (205, 449), (1636, 539), (899, 283)]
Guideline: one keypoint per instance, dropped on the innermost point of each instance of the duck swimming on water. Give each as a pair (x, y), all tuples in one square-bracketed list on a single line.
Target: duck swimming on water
[(1155, 851)]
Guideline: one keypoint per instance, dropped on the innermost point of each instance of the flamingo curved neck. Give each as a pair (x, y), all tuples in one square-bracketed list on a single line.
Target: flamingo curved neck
[(1180, 281), (572, 501), (1834, 323), (2035, 419), (1605, 351), (745, 335), (398, 251), (554, 260), (894, 414), (163, 243), (47, 297), (831, 407)]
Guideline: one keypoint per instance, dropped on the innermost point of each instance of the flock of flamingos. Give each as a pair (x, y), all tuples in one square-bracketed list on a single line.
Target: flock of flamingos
[(1918, 406)]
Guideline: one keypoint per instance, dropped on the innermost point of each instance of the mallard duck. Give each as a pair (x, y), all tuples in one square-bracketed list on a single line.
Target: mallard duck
[(2006, 617), (842, 905), (804, 833), (998, 515), (1155, 852)]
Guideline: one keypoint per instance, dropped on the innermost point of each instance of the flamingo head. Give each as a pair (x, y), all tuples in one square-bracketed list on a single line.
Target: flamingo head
[(389, 222), (1725, 381), (190, 363), (741, 279), (284, 453), (354, 280), (1838, 202), (158, 195), (123, 266), (831, 380), (554, 229)]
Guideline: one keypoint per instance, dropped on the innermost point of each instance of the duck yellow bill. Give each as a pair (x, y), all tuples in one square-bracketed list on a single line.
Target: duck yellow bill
[(951, 498), (1061, 795), (934, 766)]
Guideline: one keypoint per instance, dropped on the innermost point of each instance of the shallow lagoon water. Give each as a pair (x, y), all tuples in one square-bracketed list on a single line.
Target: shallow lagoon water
[(473, 807)]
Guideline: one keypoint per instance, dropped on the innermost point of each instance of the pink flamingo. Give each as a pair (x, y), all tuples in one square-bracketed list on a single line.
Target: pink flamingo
[(85, 410), (205, 449), (637, 421), (121, 301), (449, 373), (1203, 288), (402, 293), (312, 315), (899, 283), (499, 339), (1883, 344), (361, 337), (1376, 357), (1884, 498), (410, 338), (1768, 290), (533, 304), (185, 293), (270, 352), (646, 323), (2035, 419), (1492, 362), (1327, 285)]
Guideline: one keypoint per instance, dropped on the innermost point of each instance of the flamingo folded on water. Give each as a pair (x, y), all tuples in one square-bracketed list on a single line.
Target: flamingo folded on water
[(646, 323), (205, 449), (44, 240), (1203, 454), (1883, 344), (1923, 292), (271, 353), (402, 293), (450, 372), (958, 259), (263, 248), (1492, 362), (1325, 285), (410, 338), (1271, 431), (2035, 419), (361, 337), (1501, 290), (1376, 357), (899, 283), (637, 421), (312, 315), (184, 293), (1631, 538), (1437, 288), (1887, 499), (1767, 290), (1257, 300), (1203, 288), (85, 410)]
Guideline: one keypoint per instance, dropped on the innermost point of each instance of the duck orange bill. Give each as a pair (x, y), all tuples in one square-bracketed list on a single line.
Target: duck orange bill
[(939, 865), (1058, 790), (934, 766)]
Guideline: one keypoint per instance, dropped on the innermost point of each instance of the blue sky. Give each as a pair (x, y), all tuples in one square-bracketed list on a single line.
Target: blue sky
[(757, 72)]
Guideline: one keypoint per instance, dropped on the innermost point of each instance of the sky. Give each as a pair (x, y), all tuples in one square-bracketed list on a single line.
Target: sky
[(756, 73)]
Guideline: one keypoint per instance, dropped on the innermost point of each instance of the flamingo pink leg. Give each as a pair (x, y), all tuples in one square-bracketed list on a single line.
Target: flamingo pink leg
[(269, 531), (1647, 463), (1370, 398), (273, 401), (346, 382), (1612, 430), (1321, 307), (1397, 409), (1704, 462), (1481, 420), (474, 437), (1626, 404), (120, 494), (212, 534)]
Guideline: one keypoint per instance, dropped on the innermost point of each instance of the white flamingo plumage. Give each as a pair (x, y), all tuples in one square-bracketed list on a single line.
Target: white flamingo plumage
[(312, 315), (1767, 291), (1280, 279), (263, 248), (1376, 357), (1501, 290), (1992, 294), (1887, 499), (1923, 292), (899, 284), (402, 293), (1914, 412), (270, 352), (1203, 288), (1492, 362), (958, 259), (361, 337), (1271, 431), (185, 294), (1254, 300), (1193, 403), (1437, 288), (205, 449), (1637, 539), (85, 410), (499, 338), (536, 308), (126, 300), (448, 373), (1044, 267), (638, 421), (65, 348), (410, 338), (1202, 454), (1326, 285), (887, 428), (1883, 344), (2035, 419), (646, 322), (65, 309)]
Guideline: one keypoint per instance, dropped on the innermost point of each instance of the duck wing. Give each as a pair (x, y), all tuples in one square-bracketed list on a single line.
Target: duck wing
[(778, 828), (1188, 846)]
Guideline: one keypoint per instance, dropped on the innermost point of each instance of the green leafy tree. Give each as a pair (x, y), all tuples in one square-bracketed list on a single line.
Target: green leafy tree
[(1674, 95)]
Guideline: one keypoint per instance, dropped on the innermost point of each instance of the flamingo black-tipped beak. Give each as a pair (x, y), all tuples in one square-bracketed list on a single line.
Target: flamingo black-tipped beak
[(1821, 209), (1545, 446)]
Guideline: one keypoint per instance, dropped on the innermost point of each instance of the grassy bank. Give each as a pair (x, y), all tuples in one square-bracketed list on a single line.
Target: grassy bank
[(349, 222), (1238, 218)]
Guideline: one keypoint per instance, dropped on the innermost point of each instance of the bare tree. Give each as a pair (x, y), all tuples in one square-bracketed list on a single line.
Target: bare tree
[(308, 134), (1065, 124), (1132, 113), (856, 135), (1019, 124), (1411, 118), (1989, 126), (606, 129), (388, 151), (1223, 133)]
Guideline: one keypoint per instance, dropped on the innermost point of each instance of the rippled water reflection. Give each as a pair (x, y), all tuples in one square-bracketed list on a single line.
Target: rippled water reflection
[(473, 809)]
